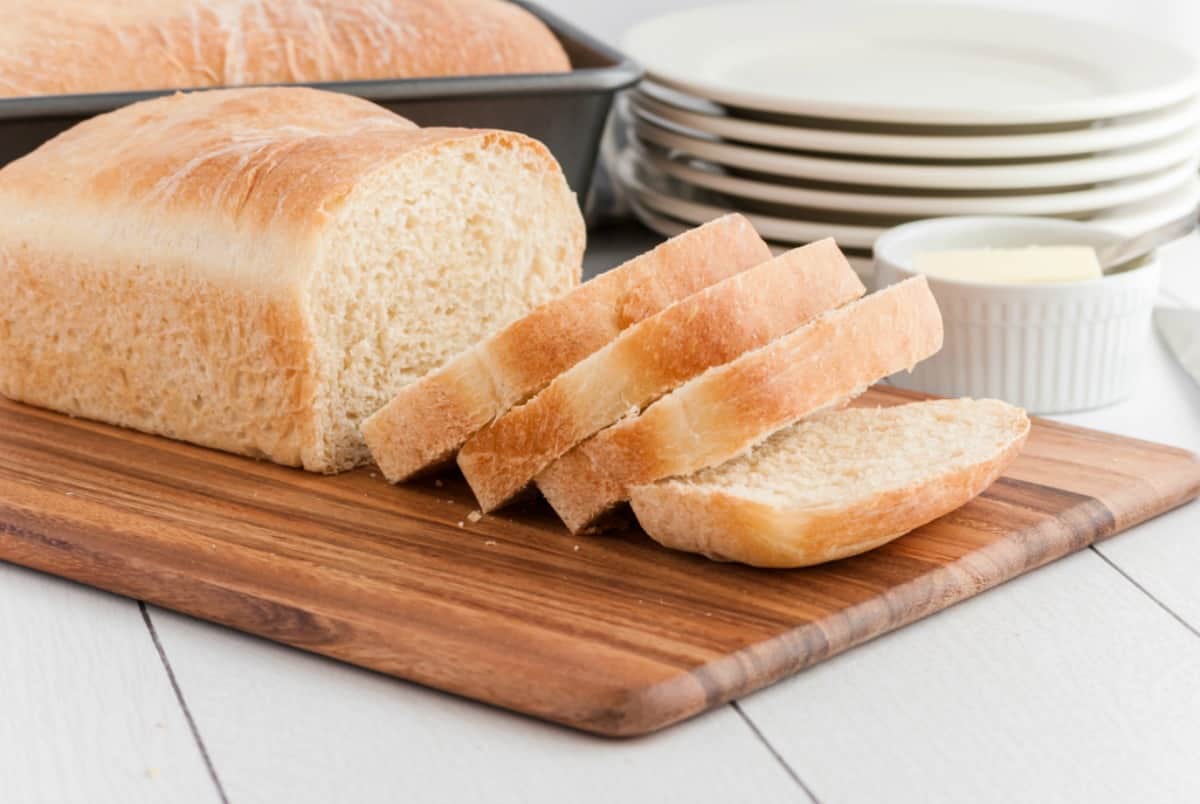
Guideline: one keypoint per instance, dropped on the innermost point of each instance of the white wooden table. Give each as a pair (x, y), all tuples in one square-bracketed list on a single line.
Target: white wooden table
[(1079, 682)]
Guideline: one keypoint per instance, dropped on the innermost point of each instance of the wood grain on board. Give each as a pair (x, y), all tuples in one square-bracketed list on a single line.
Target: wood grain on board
[(611, 634)]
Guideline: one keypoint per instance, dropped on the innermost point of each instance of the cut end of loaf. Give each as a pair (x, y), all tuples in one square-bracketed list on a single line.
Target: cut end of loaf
[(836, 484), (428, 256)]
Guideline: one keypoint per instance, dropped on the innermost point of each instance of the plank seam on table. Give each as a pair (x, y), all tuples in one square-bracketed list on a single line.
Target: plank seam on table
[(778, 757), (1171, 296), (187, 714), (1182, 302), (1178, 617)]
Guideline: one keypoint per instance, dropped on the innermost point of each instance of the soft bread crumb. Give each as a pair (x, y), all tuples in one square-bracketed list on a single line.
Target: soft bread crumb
[(475, 516), (859, 451), (483, 266)]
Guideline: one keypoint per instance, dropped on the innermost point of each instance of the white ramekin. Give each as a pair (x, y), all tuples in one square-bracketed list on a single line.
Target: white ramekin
[(1049, 348)]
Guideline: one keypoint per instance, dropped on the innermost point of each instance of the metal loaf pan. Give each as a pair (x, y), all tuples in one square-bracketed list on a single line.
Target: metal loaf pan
[(566, 111)]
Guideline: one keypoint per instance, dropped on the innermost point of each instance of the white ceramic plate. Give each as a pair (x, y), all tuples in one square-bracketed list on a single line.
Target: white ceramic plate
[(710, 177), (699, 207), (1132, 220), (1107, 135), (669, 227), (904, 63), (1014, 176)]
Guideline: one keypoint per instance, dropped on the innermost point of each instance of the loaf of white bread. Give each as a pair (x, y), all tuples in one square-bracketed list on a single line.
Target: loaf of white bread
[(72, 46), (259, 270)]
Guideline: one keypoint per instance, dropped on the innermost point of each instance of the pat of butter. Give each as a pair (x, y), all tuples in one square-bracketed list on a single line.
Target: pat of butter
[(1012, 266)]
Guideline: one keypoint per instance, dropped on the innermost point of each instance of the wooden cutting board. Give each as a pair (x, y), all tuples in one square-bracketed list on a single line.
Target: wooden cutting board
[(609, 634)]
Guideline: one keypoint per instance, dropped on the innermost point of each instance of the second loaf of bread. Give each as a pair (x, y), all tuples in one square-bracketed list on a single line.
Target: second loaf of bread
[(71, 46)]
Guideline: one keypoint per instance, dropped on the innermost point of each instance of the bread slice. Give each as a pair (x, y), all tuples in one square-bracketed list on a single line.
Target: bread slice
[(728, 409), (258, 270), (650, 358), (837, 484), (428, 421)]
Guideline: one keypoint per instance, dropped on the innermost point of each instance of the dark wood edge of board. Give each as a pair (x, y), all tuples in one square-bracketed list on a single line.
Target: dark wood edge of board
[(693, 692), (637, 711)]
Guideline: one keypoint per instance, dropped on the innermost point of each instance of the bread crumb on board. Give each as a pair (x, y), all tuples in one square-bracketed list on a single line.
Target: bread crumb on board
[(475, 516), (461, 523)]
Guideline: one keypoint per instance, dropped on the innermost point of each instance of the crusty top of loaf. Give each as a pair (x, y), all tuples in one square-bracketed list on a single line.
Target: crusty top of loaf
[(67, 46), (259, 160)]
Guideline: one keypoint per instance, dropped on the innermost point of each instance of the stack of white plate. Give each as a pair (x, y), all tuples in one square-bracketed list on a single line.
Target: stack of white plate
[(846, 119)]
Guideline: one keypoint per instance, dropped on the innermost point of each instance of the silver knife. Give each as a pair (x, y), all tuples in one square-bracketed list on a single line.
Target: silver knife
[(1181, 330), (1117, 255)]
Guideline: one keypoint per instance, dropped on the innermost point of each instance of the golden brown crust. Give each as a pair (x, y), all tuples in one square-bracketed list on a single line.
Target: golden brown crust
[(430, 420), (729, 409), (73, 46), (120, 378), (652, 357), (727, 527), (262, 158)]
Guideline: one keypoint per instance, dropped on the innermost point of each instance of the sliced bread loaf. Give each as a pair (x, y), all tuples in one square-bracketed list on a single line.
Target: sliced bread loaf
[(258, 270), (650, 358), (837, 484), (728, 409), (429, 420)]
